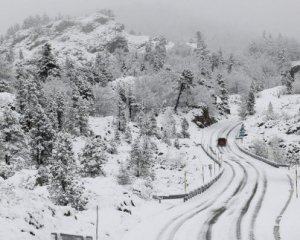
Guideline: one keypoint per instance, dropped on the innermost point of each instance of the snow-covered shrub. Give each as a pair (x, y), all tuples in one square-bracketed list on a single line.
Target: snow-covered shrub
[(260, 148)]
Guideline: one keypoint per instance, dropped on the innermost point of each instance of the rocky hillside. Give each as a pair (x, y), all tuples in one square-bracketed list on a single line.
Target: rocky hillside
[(77, 38), (274, 130)]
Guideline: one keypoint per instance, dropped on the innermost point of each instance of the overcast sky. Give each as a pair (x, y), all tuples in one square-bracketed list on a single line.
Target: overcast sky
[(229, 22)]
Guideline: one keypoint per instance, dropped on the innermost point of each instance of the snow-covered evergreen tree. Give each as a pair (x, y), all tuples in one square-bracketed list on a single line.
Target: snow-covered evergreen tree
[(13, 143), (141, 157), (153, 125), (159, 54), (202, 55), (47, 64), (4, 86), (270, 112), (123, 177), (289, 81), (128, 135), (93, 157), (185, 127), (117, 136), (250, 102), (122, 100), (102, 74), (65, 188), (223, 105), (132, 103), (41, 135), (185, 83)]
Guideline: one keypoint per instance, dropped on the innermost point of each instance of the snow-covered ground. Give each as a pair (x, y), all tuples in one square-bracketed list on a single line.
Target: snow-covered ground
[(282, 124), (251, 200), (26, 211)]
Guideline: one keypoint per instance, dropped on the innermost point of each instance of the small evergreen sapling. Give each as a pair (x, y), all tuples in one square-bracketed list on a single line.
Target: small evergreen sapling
[(123, 177), (185, 127)]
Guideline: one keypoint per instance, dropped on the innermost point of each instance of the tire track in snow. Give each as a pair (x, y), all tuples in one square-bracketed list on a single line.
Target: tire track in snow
[(276, 229), (247, 205), (258, 207), (217, 213), (195, 212)]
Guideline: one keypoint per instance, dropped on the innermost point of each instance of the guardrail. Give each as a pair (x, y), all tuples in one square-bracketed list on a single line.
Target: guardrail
[(210, 156), (197, 191), (259, 158), (203, 188)]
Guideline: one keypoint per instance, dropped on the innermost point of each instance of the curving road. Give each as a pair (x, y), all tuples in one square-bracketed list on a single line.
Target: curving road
[(248, 202)]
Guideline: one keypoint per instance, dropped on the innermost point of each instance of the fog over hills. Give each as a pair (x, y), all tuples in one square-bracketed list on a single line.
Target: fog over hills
[(219, 20)]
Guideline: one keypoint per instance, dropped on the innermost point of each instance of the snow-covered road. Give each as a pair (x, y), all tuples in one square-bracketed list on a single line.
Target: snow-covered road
[(248, 202)]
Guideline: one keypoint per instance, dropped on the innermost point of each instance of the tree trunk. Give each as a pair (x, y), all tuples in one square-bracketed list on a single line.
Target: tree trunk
[(178, 98), (7, 159)]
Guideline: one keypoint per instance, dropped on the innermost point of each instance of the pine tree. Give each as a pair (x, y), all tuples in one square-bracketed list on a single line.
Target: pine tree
[(135, 158), (141, 157), (185, 127), (128, 135), (159, 54), (102, 75), (47, 64), (52, 112), (123, 177), (64, 187), (250, 103), (202, 55), (42, 135), (93, 157), (117, 137), (122, 100), (230, 63), (289, 83), (83, 117), (153, 125), (60, 110), (185, 82), (224, 96), (270, 111), (12, 138), (4, 86), (132, 104), (170, 124)]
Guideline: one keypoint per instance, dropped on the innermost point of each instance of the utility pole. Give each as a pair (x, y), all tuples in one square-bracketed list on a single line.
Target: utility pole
[(97, 222)]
